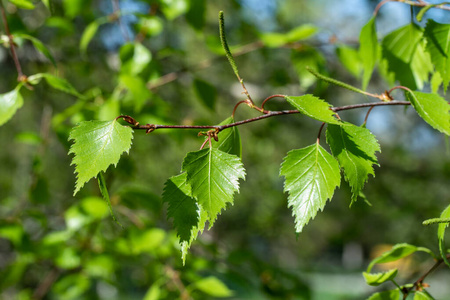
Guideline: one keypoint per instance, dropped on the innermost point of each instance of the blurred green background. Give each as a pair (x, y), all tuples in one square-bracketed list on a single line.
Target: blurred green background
[(56, 246)]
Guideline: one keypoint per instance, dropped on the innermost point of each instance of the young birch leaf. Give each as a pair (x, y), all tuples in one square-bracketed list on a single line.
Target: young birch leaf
[(188, 217), (104, 191), (350, 58), (311, 175), (375, 279), (354, 147), (39, 46), (182, 207), (437, 36), (214, 177), (229, 139), (386, 295), (55, 82), (422, 296), (313, 107), (97, 144), (9, 103), (433, 109), (441, 233), (368, 50), (24, 4)]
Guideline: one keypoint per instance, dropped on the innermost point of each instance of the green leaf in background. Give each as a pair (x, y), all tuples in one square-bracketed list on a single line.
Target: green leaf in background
[(150, 25), (368, 51), (89, 33), (313, 107), (437, 36), (214, 287), (9, 103), (138, 90), (433, 109), (405, 53), (173, 8), (418, 295), (206, 92), (386, 295), (311, 176), (134, 58), (188, 217), (214, 177), (307, 57), (55, 82), (375, 279), (25, 4), (38, 45), (435, 82), (354, 147), (229, 139), (182, 207), (97, 144), (397, 252), (196, 15), (441, 234), (302, 32), (350, 58)]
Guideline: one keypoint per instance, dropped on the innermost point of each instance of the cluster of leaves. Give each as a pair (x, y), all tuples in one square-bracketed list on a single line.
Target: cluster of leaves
[(210, 177)]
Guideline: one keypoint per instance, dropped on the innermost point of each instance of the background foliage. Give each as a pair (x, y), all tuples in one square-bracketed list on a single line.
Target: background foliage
[(162, 63)]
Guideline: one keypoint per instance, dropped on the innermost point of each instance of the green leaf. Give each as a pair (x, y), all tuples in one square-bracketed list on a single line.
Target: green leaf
[(437, 36), (368, 50), (104, 191), (214, 177), (139, 91), (350, 58), (97, 144), (397, 252), (196, 14), (422, 296), (25, 4), (386, 295), (311, 175), (206, 92), (182, 207), (313, 107), (38, 45), (302, 32), (433, 109), (89, 33), (307, 57), (173, 8), (354, 147), (56, 83), (435, 82), (441, 233), (214, 287), (405, 53), (375, 279), (9, 103), (134, 58), (188, 217), (229, 139)]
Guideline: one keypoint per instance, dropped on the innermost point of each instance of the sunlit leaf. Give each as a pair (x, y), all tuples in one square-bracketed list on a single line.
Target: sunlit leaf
[(25, 4), (350, 58), (375, 279), (433, 109), (386, 295), (9, 103), (422, 296), (437, 36), (97, 144), (368, 50), (134, 57), (214, 177), (354, 147), (441, 233), (311, 176), (397, 252), (55, 82), (313, 107), (302, 32), (213, 287)]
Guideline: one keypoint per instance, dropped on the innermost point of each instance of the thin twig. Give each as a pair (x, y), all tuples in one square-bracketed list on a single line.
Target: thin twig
[(151, 127), (320, 132), (20, 76), (419, 3), (268, 98)]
